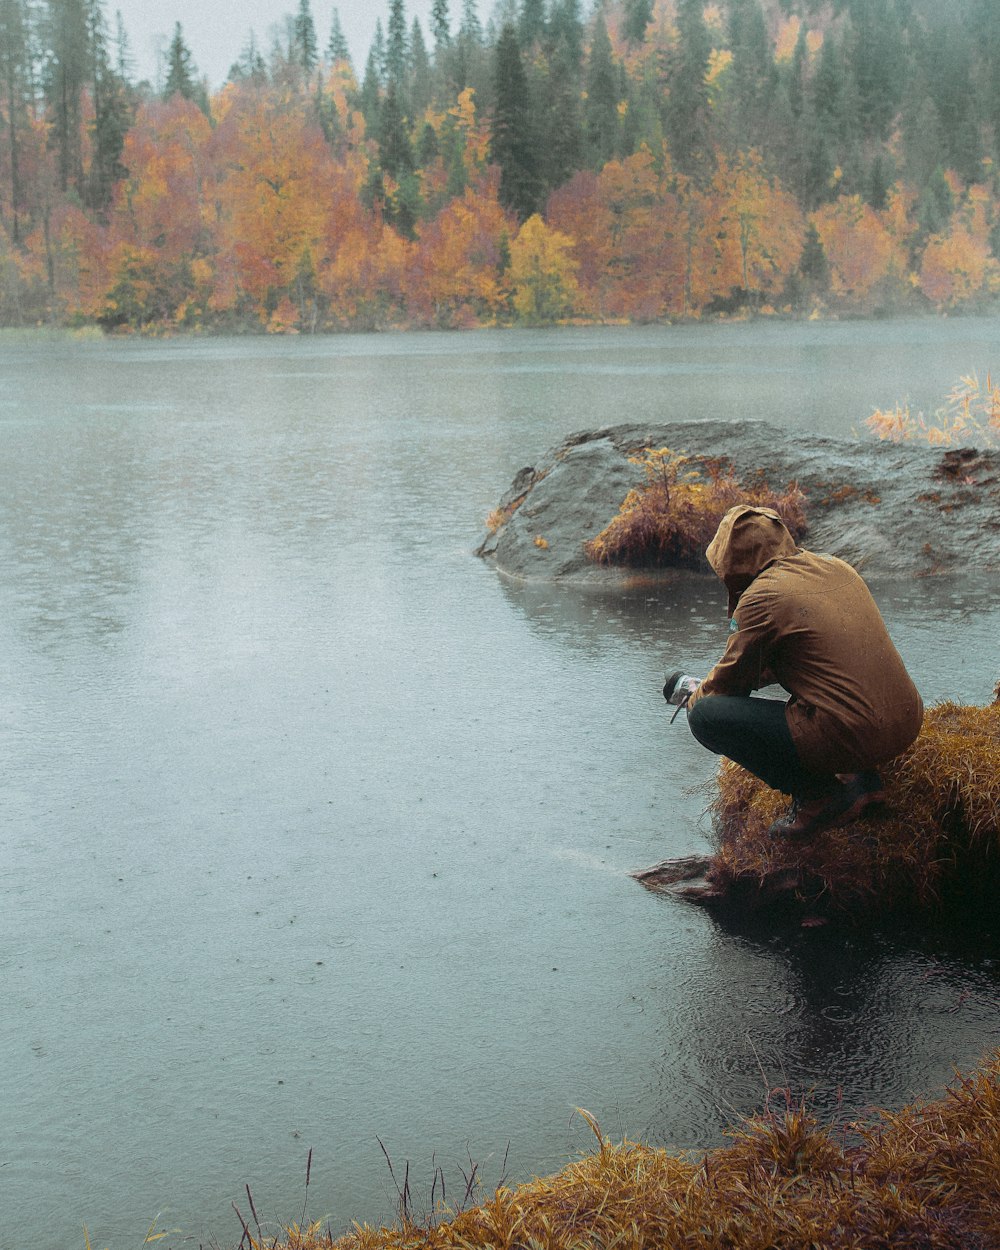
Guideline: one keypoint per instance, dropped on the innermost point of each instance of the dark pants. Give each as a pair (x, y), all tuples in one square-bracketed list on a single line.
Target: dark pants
[(754, 733)]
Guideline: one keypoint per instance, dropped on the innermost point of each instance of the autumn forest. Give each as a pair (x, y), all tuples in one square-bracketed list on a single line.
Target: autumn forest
[(645, 160)]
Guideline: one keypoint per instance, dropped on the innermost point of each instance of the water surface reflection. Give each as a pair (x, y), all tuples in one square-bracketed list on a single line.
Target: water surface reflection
[(318, 830)]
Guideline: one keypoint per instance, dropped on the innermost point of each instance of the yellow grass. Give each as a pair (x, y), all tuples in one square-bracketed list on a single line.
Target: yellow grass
[(924, 1178), (939, 833), (970, 417)]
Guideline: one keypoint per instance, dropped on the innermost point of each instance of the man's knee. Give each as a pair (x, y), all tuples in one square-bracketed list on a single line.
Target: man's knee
[(702, 721)]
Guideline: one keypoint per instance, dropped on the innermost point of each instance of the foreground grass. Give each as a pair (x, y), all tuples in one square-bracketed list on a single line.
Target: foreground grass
[(925, 1178)]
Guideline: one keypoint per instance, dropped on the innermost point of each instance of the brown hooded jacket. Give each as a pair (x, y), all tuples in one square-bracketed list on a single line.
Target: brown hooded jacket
[(808, 622)]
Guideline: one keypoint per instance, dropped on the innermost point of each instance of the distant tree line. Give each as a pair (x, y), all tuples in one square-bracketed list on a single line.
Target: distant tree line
[(641, 160)]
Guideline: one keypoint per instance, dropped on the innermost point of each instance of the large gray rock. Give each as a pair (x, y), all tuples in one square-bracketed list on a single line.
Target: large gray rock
[(886, 508)]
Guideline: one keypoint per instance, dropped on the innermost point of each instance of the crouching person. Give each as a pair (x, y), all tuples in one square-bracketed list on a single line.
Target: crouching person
[(809, 623)]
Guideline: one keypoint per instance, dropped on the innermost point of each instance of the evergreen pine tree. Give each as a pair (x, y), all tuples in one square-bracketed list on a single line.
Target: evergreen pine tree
[(471, 29), (64, 76), (396, 50), (835, 107), (947, 66), (638, 15), (685, 120), (337, 49), (305, 49), (796, 75), (440, 25), (560, 120), (180, 68), (250, 66), (878, 61), (512, 141), (813, 263), (421, 83), (937, 203), (112, 115), (124, 66), (379, 54), (566, 31), (531, 22), (986, 31), (601, 108), (753, 75), (812, 278), (879, 181), (370, 96), (817, 174), (395, 149), (470, 64), (326, 115), (924, 144), (14, 86), (428, 150)]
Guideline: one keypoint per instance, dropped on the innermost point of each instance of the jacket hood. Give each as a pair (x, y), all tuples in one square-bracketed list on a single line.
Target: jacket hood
[(747, 541)]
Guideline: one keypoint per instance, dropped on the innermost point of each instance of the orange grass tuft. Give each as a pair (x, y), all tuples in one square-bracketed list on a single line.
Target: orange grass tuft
[(926, 1177), (939, 833), (672, 518), (970, 417)]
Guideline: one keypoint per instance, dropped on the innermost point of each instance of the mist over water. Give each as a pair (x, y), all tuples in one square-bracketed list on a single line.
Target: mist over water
[(317, 829)]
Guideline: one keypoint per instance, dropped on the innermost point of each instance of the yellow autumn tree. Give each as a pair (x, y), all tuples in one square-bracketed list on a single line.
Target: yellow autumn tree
[(542, 273)]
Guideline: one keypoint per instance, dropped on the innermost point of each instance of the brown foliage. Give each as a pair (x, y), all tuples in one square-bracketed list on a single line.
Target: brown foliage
[(672, 519)]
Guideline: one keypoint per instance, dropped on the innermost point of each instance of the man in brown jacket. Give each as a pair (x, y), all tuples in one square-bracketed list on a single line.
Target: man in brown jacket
[(809, 623)]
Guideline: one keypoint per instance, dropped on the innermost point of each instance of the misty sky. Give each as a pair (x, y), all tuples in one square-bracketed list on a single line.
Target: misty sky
[(216, 31)]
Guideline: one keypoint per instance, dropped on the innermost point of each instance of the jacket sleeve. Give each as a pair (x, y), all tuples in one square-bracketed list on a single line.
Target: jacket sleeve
[(746, 662)]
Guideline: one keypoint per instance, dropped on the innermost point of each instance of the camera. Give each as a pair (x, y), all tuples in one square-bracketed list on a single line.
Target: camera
[(678, 689)]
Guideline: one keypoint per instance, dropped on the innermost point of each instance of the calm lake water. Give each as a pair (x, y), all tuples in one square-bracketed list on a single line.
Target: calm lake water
[(317, 830)]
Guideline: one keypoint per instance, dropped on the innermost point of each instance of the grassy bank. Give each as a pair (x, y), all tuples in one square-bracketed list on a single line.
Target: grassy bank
[(925, 1178), (933, 846)]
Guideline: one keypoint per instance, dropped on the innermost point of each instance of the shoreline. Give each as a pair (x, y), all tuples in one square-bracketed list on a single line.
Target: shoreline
[(257, 329), (926, 1175)]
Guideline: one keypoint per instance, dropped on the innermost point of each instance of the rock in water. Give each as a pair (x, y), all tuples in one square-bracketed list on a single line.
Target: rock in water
[(883, 507)]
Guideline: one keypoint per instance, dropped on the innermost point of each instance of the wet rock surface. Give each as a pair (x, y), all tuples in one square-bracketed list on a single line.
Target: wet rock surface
[(885, 508)]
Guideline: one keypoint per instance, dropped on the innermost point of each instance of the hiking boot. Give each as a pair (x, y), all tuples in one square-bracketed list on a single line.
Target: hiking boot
[(807, 817), (804, 818), (868, 785)]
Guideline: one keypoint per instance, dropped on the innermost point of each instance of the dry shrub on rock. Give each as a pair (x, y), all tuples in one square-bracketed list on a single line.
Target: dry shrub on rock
[(671, 519)]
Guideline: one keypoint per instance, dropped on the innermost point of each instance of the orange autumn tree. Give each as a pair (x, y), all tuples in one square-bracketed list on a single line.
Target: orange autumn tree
[(275, 174), (756, 228), (454, 278), (647, 228), (31, 290), (627, 228), (73, 252), (159, 233), (578, 211), (958, 264), (863, 254), (363, 282)]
